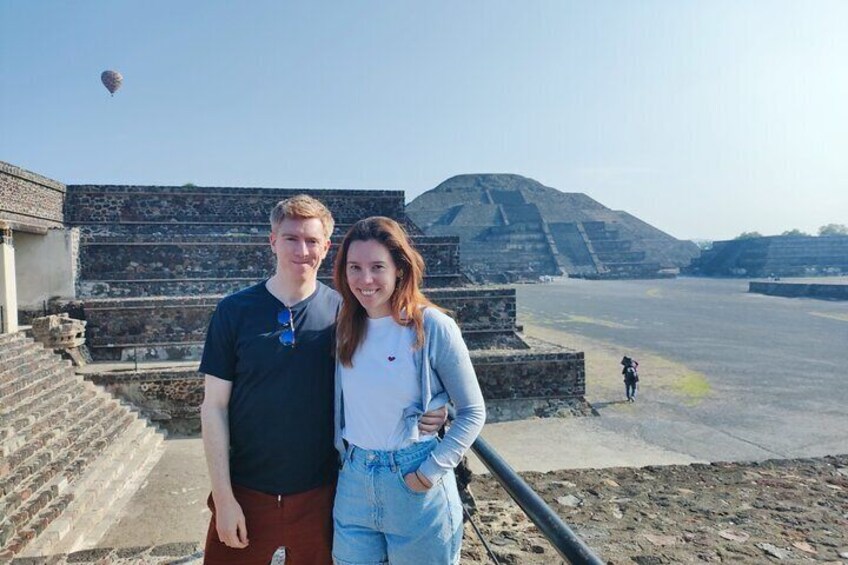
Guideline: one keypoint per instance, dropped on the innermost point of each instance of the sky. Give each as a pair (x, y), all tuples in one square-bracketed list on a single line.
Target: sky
[(705, 119)]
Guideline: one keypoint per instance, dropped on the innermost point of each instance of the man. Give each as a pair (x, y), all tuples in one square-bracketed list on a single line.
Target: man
[(267, 413)]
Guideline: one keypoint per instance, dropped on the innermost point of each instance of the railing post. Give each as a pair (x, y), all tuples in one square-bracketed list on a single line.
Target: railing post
[(565, 541)]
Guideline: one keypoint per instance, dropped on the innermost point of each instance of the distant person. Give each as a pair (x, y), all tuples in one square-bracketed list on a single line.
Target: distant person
[(631, 377), (398, 355), (267, 412)]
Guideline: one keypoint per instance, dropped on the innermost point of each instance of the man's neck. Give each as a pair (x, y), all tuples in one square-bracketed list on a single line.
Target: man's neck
[(290, 292)]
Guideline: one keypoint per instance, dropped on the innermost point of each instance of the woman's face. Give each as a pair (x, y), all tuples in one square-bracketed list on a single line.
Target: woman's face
[(371, 276)]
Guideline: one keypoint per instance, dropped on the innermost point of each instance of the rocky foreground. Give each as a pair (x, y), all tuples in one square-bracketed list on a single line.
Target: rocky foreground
[(787, 511)]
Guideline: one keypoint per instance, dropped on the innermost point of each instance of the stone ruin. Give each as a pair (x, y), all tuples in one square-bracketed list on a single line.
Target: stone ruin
[(60, 332), (145, 267), (774, 256)]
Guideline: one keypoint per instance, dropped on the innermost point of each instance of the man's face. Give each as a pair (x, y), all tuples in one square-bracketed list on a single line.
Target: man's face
[(300, 246)]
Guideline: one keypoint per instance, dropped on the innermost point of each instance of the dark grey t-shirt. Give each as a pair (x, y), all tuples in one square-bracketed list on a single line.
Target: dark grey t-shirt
[(281, 404)]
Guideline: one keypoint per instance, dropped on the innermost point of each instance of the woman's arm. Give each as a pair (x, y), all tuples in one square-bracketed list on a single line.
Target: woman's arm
[(449, 358)]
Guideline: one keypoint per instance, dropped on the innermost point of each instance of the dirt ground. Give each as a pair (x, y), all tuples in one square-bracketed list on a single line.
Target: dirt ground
[(788, 511)]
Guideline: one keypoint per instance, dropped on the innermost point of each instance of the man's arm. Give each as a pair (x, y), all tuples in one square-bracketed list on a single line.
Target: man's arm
[(432, 421), (229, 518)]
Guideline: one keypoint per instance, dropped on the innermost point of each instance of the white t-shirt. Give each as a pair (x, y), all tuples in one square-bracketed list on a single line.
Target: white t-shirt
[(378, 387)]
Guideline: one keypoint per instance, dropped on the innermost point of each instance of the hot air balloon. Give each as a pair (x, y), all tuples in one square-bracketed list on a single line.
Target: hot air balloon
[(111, 80)]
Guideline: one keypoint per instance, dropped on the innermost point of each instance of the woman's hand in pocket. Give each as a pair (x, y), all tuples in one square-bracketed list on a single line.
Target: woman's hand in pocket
[(416, 482)]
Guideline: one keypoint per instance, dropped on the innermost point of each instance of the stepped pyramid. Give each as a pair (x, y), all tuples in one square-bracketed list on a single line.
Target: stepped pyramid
[(514, 228), (154, 262), (70, 454)]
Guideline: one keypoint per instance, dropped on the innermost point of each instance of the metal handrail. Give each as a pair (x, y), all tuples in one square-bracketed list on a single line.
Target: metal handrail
[(565, 541)]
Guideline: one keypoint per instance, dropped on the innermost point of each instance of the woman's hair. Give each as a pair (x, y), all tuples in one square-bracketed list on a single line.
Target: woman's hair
[(407, 301)]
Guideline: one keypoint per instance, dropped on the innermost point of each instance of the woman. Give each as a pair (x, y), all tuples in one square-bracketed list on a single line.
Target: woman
[(398, 356)]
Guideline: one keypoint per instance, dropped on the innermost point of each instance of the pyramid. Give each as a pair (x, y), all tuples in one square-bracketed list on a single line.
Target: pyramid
[(512, 227)]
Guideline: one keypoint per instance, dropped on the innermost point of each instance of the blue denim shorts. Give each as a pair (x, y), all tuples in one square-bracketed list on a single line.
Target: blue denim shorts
[(378, 519)]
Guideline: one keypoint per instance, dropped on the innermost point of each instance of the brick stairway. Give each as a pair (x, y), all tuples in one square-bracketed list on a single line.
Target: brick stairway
[(70, 453)]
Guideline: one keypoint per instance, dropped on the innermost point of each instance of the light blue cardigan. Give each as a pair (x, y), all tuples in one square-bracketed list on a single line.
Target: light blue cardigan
[(446, 374)]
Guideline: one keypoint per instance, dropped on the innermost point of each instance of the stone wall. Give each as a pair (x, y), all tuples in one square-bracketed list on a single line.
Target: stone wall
[(92, 204), (798, 290), (46, 266), (174, 328), (515, 385), (148, 265), (170, 397), (156, 328), (531, 375), (784, 256), (30, 202)]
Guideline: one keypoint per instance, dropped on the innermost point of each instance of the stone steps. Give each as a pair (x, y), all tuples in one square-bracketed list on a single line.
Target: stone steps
[(100, 496), (9, 339), (45, 434), (53, 445), (11, 351), (41, 377), (621, 256), (55, 470), (18, 353), (56, 434), (73, 482), (37, 427), (45, 400), (18, 369)]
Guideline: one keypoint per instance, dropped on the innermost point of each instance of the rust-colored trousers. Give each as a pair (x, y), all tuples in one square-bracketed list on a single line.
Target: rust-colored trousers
[(302, 522)]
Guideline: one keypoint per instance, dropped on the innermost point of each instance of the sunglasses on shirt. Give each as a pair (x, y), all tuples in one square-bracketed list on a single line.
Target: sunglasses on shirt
[(286, 320)]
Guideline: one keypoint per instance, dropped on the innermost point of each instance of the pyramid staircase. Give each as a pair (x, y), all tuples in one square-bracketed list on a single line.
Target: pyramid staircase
[(612, 255), (70, 453)]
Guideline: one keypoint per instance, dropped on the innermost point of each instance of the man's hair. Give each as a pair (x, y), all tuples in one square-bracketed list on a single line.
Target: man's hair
[(302, 207)]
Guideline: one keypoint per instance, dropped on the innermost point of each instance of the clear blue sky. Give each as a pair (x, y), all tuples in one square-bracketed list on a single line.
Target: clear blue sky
[(704, 118)]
